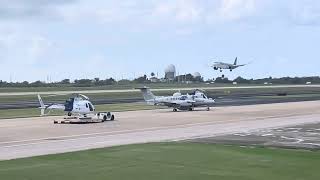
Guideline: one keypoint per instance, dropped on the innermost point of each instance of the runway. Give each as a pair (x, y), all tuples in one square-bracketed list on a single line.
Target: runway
[(39, 136)]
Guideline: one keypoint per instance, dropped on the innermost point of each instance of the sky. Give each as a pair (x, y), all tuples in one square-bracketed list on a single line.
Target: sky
[(125, 39)]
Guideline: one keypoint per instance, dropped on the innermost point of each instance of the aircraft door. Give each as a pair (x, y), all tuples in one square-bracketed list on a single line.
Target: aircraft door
[(69, 105)]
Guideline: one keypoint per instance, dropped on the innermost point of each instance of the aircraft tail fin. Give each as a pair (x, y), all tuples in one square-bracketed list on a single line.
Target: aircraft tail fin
[(147, 94), (235, 61), (42, 106), (40, 101)]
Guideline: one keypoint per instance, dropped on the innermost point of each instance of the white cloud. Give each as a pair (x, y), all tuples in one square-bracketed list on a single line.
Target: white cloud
[(76, 31), (305, 12), (236, 9), (184, 11), (31, 9), (25, 49)]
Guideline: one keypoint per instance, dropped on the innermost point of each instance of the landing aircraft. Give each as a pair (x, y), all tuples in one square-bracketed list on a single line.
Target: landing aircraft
[(178, 101), (222, 65), (79, 104)]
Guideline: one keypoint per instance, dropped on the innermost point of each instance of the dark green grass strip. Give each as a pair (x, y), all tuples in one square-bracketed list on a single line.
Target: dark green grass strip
[(160, 161)]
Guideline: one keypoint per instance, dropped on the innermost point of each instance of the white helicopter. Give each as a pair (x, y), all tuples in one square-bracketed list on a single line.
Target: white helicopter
[(76, 107)]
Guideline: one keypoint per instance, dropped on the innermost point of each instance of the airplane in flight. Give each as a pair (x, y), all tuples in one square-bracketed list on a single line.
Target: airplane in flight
[(222, 65), (178, 101)]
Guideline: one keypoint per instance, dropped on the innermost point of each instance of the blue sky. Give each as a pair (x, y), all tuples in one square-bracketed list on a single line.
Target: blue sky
[(104, 38)]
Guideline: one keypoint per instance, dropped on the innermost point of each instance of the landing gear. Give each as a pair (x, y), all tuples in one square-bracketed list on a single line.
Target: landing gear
[(222, 76), (230, 70), (104, 118), (175, 110), (220, 70)]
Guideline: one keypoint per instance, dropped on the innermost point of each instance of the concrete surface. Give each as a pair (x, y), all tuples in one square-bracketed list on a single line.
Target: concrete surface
[(306, 136), (39, 136)]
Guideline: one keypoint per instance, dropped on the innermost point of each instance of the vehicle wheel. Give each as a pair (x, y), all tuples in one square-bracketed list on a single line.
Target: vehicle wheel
[(112, 118), (69, 114), (190, 109), (208, 108), (104, 118), (175, 110)]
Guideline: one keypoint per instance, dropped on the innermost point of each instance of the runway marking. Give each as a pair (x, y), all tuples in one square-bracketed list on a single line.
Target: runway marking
[(92, 135), (297, 140)]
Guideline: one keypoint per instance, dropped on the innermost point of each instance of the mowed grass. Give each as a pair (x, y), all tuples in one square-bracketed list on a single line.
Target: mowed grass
[(33, 112), (159, 161), (116, 87)]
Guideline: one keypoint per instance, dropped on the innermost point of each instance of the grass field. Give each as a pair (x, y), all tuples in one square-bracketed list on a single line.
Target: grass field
[(111, 87), (168, 161), (33, 112), (119, 87)]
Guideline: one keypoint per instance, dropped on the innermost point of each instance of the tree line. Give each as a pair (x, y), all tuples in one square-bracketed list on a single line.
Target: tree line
[(145, 80)]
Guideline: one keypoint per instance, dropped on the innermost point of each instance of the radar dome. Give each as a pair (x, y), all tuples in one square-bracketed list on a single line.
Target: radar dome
[(170, 69), (196, 74), (170, 72)]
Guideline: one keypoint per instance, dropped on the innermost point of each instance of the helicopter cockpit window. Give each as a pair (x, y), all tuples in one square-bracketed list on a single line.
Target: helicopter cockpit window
[(90, 106)]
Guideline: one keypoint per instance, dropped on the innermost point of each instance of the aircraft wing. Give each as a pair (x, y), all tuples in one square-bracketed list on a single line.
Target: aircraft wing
[(245, 64), (240, 65), (182, 103)]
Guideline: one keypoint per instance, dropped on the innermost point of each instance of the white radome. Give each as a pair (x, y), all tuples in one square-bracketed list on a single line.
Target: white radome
[(170, 69), (196, 74)]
